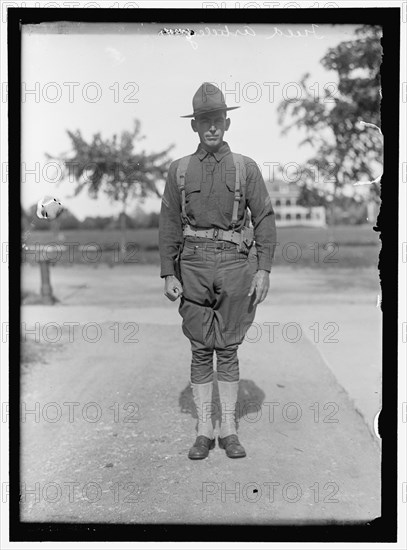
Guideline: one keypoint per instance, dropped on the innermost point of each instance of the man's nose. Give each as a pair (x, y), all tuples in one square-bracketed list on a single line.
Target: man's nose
[(212, 127)]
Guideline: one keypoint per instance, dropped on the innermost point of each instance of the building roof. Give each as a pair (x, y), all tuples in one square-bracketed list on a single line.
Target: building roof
[(282, 188)]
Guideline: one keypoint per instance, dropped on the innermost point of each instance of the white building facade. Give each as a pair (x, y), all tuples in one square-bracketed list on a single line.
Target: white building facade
[(284, 199)]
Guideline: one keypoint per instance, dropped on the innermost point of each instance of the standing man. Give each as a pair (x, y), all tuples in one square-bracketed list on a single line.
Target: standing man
[(209, 261)]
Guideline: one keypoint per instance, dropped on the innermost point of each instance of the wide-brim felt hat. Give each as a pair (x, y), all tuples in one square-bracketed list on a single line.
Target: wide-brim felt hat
[(208, 98)]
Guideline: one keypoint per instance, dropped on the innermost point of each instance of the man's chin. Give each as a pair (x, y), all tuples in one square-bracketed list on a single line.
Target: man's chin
[(212, 143)]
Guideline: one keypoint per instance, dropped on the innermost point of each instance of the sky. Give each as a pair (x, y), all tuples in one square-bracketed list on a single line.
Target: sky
[(101, 77)]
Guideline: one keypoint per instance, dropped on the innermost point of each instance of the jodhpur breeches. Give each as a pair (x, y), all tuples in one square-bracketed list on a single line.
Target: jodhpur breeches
[(215, 306)]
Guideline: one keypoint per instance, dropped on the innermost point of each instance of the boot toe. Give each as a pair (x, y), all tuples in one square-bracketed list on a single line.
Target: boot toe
[(201, 448), (232, 446)]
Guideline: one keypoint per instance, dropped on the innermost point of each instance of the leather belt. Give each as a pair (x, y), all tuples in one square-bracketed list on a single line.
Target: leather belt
[(213, 233)]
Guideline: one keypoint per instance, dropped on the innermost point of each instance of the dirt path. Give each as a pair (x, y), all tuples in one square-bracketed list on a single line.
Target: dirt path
[(335, 309), (118, 452)]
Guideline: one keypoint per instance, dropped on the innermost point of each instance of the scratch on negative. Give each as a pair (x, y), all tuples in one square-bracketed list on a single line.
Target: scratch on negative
[(377, 180)]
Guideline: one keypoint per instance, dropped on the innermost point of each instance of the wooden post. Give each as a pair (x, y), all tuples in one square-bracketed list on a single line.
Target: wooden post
[(47, 296), (46, 289)]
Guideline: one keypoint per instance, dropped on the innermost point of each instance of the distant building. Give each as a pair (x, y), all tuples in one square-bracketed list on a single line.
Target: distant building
[(284, 199)]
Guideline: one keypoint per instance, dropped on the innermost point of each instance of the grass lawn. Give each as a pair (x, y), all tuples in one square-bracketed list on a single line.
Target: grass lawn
[(338, 246), (346, 235)]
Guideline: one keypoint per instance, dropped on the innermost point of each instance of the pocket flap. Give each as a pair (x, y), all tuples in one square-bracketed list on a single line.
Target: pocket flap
[(230, 182), (191, 186)]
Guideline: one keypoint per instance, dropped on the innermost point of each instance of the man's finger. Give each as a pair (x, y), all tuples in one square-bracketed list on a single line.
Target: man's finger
[(252, 287), (178, 291), (256, 301), (265, 291), (261, 294), (171, 295)]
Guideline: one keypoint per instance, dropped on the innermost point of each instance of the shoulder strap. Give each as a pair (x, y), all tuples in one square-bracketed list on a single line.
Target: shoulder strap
[(181, 171), (240, 177)]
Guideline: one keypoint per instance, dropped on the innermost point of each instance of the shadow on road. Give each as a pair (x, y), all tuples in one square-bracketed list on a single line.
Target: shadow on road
[(249, 400)]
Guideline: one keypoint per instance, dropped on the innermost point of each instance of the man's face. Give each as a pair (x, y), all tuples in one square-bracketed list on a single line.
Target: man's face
[(211, 128)]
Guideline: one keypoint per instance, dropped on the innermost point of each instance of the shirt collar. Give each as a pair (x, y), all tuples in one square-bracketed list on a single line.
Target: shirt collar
[(223, 150)]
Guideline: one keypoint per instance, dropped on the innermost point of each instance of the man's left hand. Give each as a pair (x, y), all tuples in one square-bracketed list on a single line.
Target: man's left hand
[(260, 284)]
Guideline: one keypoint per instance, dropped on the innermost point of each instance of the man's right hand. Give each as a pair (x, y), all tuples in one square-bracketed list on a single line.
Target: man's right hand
[(173, 288)]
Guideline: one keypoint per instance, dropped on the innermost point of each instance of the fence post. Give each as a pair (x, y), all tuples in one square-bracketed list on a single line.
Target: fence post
[(46, 288)]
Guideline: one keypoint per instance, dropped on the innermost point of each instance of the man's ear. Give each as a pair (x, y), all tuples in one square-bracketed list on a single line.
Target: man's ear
[(227, 124), (193, 125)]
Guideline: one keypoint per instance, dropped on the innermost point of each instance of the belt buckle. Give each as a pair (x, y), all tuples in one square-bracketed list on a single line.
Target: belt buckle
[(215, 233)]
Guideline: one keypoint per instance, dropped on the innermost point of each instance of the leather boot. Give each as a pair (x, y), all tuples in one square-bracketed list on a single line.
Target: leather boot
[(202, 394), (228, 439), (201, 448), (232, 446)]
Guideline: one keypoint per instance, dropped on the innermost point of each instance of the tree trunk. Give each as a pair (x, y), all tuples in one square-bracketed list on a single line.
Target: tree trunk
[(333, 220), (47, 295), (55, 228), (332, 215), (123, 239)]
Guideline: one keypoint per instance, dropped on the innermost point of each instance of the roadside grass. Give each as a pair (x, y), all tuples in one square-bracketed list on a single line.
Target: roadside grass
[(34, 351), (147, 238), (333, 246)]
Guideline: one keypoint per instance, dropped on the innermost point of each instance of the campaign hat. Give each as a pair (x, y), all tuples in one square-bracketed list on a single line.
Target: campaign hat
[(207, 99)]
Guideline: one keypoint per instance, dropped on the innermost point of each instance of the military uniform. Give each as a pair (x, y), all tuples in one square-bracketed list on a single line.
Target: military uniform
[(202, 222)]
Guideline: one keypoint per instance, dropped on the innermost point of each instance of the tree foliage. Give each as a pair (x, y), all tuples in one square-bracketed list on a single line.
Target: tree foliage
[(114, 166), (347, 151), (311, 197)]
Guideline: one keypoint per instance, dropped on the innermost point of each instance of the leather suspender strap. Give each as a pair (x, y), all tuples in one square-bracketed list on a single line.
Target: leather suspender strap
[(181, 171), (240, 176), (240, 170)]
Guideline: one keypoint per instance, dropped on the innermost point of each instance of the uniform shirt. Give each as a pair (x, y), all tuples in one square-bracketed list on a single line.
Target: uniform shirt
[(209, 198)]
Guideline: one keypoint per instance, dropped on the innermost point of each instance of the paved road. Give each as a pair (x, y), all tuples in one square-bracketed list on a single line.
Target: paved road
[(118, 450)]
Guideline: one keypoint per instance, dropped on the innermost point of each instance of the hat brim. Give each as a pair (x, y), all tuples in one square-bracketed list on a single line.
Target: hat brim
[(210, 111)]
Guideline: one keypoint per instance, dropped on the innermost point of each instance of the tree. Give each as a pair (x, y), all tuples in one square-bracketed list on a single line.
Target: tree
[(154, 219), (115, 168), (347, 151), (311, 197), (98, 222), (68, 220), (140, 216)]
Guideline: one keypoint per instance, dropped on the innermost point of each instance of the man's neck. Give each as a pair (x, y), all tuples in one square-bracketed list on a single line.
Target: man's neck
[(212, 149)]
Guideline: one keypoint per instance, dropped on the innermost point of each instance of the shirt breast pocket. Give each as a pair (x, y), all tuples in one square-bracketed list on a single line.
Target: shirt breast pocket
[(193, 197), (192, 188)]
